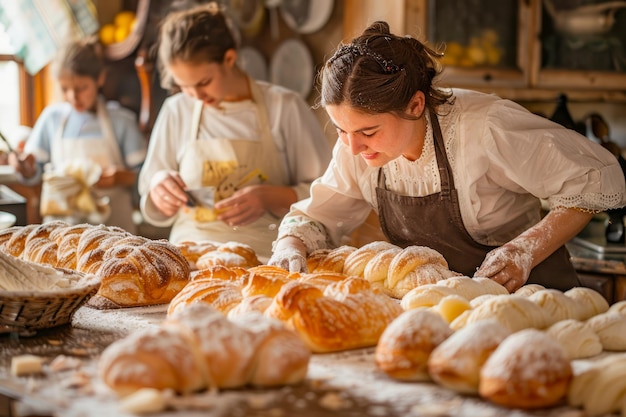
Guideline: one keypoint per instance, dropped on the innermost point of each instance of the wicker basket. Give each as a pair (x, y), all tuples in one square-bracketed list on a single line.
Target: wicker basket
[(31, 310)]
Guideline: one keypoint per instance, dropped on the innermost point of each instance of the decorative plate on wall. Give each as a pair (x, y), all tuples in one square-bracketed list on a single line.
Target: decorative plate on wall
[(292, 67), (252, 61), (306, 16)]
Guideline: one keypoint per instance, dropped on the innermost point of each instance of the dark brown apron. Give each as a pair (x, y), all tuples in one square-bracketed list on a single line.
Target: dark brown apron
[(435, 221)]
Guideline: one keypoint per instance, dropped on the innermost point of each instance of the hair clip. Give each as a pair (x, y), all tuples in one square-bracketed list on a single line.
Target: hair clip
[(387, 65)]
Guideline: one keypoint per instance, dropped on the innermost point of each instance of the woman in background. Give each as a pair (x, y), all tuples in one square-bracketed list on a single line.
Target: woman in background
[(85, 128), (458, 171), (259, 145)]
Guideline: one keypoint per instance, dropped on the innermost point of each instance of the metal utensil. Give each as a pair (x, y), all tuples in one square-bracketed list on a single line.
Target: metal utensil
[(201, 197), (5, 140)]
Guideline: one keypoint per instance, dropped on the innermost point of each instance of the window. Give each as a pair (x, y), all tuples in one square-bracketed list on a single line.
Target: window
[(10, 77)]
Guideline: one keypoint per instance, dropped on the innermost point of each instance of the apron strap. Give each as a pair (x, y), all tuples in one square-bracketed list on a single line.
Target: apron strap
[(195, 120), (445, 170)]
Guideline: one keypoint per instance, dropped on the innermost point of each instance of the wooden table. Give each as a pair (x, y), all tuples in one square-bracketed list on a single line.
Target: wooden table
[(342, 384)]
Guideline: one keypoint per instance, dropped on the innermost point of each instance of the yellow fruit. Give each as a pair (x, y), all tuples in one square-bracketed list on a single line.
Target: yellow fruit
[(121, 32), (107, 34), (476, 55), (494, 55), (124, 19), (453, 50), (490, 36)]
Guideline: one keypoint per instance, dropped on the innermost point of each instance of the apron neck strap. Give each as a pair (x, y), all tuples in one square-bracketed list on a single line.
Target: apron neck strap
[(445, 170)]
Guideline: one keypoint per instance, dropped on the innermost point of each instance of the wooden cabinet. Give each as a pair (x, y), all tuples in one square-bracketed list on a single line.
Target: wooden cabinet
[(527, 49)]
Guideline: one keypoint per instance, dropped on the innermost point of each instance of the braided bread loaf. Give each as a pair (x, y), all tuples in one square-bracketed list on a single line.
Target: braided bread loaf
[(347, 314), (198, 347), (134, 271), (386, 266)]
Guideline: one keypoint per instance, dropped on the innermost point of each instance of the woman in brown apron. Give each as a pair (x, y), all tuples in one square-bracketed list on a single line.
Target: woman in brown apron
[(458, 171)]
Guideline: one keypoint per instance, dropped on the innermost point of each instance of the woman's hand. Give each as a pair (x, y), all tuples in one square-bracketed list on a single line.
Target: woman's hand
[(167, 193), (23, 163), (248, 204), (289, 254), (508, 265), (243, 207)]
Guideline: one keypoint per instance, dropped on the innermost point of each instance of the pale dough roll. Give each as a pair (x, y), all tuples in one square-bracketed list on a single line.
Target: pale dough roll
[(556, 305), (357, 261), (590, 302), (409, 259), (471, 288), (611, 329), (377, 268), (406, 344), (527, 370), (514, 312), (475, 302), (451, 306), (425, 296), (334, 260), (528, 289), (456, 362), (578, 340), (600, 389), (619, 307)]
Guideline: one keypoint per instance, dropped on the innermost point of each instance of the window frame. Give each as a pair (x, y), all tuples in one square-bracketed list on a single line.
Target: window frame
[(31, 91)]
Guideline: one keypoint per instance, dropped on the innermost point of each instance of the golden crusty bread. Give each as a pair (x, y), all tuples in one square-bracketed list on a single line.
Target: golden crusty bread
[(392, 269), (222, 295), (456, 362), (192, 250), (406, 344), (347, 314), (138, 272), (527, 370), (198, 348)]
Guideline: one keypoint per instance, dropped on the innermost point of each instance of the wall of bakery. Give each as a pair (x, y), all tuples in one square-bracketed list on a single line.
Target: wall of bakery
[(271, 37)]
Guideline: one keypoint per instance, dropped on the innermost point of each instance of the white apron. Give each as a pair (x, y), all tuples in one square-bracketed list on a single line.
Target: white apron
[(103, 151), (230, 164)]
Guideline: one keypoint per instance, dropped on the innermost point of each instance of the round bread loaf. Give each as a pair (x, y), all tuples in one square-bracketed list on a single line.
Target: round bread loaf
[(529, 289), (357, 261), (527, 370), (619, 307), (611, 329), (589, 302), (555, 304), (456, 362), (406, 344), (578, 339)]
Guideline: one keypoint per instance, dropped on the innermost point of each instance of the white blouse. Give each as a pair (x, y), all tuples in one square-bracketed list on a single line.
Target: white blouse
[(504, 161)]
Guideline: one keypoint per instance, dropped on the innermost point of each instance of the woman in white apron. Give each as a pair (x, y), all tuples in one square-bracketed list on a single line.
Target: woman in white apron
[(258, 145), (91, 149)]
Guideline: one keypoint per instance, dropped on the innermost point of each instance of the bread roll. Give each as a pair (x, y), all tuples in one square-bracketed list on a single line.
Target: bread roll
[(578, 340), (451, 306), (512, 311), (619, 308), (421, 275), (192, 250), (528, 289), (357, 261), (322, 280), (347, 314), (255, 303), (138, 272), (314, 258), (67, 239), (601, 388), (266, 280), (456, 362), (611, 329), (198, 347), (410, 259), (222, 295), (425, 296), (475, 302), (527, 370), (334, 260), (406, 344), (214, 258), (93, 244), (14, 239), (227, 273), (555, 304), (242, 250), (470, 288), (589, 302), (377, 268)]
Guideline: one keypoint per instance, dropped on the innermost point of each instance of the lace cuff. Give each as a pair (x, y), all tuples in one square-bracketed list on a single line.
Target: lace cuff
[(588, 203), (313, 234)]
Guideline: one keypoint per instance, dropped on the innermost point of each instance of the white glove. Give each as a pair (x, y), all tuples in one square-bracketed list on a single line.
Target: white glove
[(290, 259)]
